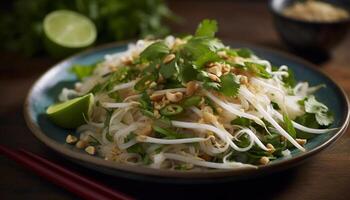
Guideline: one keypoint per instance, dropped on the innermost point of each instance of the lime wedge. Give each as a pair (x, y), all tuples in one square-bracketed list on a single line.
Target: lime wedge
[(71, 113), (67, 32)]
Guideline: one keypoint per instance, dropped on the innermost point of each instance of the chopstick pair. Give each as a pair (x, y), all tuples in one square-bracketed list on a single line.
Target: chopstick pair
[(83, 187)]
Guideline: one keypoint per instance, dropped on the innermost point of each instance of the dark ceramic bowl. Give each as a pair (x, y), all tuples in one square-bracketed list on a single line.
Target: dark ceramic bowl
[(305, 37), (45, 91)]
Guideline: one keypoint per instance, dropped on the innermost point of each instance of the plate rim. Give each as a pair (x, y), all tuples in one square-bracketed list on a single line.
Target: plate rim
[(163, 173)]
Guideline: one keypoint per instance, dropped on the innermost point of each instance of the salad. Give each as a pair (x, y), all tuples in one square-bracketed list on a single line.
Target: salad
[(189, 103)]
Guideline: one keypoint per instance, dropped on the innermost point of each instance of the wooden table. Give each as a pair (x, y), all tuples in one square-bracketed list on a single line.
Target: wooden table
[(326, 176)]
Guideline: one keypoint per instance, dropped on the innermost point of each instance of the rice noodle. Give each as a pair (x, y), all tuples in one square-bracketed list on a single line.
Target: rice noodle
[(250, 97), (232, 109), (222, 124), (196, 161), (304, 128), (119, 105), (147, 139), (123, 86), (223, 135)]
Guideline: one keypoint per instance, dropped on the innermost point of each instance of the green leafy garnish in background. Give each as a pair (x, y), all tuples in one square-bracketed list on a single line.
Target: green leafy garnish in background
[(289, 126), (21, 20), (229, 86)]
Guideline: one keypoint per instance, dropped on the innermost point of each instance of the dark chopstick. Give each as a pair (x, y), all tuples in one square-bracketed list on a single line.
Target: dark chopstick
[(83, 180), (84, 187)]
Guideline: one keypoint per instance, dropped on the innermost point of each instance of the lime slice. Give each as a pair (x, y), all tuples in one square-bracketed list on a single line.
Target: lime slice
[(71, 113), (67, 32)]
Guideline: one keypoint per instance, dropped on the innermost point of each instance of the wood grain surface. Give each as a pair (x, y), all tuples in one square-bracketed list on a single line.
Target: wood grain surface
[(326, 176)]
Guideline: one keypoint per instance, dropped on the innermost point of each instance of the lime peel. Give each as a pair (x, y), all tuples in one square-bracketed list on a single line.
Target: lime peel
[(69, 29), (71, 113)]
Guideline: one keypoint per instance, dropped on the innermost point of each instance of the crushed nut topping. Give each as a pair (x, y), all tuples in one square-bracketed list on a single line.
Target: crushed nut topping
[(264, 160), (90, 150), (71, 139), (174, 97), (169, 58), (81, 144), (191, 87)]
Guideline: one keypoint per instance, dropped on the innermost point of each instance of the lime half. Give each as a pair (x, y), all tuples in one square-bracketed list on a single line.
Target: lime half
[(71, 113), (67, 32)]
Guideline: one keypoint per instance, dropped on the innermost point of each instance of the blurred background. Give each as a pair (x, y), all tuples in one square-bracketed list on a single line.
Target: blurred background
[(28, 48), (311, 31)]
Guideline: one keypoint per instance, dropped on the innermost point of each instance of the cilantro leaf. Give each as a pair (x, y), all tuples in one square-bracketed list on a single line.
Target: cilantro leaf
[(201, 50), (241, 121), (187, 72), (82, 71), (230, 52), (155, 51), (289, 126), (289, 80), (324, 118), (211, 85), (207, 57), (245, 53), (229, 86), (322, 115), (207, 28), (258, 69), (170, 69), (309, 120)]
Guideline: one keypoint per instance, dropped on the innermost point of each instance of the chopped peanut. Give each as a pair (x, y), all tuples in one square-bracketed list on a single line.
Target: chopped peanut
[(205, 157), (301, 141), (226, 68), (127, 60), (78, 87), (156, 97), (156, 114), (153, 84), (191, 87), (243, 80), (216, 70), (81, 144), (209, 117), (213, 77), (270, 148), (219, 110), (178, 42), (146, 130), (112, 68), (174, 97), (90, 150), (264, 160), (208, 109), (71, 139), (223, 54), (169, 58)]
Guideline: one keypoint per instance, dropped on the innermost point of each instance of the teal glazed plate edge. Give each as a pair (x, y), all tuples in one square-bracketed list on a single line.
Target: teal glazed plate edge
[(46, 89)]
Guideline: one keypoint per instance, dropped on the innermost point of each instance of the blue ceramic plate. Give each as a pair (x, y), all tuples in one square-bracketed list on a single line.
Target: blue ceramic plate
[(45, 91)]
